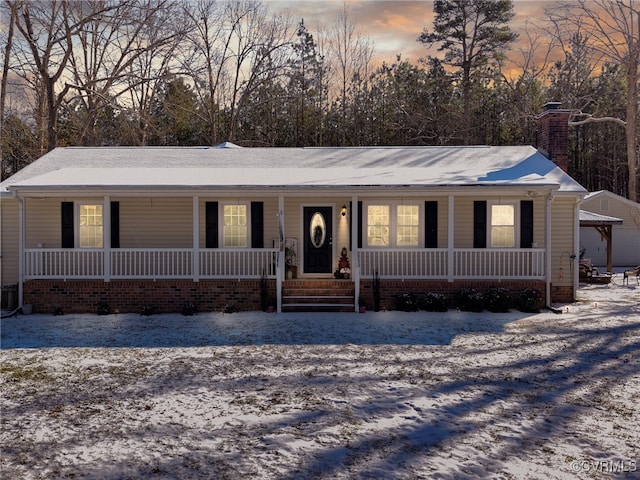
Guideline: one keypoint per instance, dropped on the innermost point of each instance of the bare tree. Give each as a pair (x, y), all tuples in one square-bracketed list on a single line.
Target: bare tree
[(206, 61), (351, 52), (110, 44), (235, 46), (612, 32), (530, 62), (260, 51), (5, 66), (48, 30)]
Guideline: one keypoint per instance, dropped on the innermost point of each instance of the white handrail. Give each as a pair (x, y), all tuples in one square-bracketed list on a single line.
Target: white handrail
[(468, 263), (63, 263), (255, 263)]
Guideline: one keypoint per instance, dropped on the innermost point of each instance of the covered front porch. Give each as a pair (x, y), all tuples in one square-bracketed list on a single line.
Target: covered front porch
[(284, 238), (415, 268)]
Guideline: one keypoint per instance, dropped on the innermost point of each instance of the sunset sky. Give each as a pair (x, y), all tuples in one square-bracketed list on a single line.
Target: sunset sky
[(393, 25)]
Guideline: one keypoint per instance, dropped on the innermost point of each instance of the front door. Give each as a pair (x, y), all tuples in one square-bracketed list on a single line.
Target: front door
[(318, 240)]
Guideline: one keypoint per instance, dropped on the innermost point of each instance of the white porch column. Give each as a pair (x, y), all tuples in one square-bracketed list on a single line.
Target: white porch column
[(21, 248), (354, 250), (280, 272), (547, 241), (450, 239), (106, 266), (195, 256)]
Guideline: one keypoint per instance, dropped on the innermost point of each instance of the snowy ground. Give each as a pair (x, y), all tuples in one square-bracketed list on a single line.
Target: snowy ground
[(290, 396)]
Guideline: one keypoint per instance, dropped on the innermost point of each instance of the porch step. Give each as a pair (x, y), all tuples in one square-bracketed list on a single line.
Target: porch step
[(318, 296)]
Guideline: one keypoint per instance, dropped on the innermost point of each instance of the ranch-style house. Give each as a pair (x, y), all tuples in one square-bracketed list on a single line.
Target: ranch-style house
[(298, 228)]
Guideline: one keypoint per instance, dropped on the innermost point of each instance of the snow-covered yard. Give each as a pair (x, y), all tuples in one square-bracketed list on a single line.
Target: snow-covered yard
[(294, 396)]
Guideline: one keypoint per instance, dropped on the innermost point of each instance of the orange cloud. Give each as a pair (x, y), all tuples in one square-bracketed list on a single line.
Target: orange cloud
[(395, 25)]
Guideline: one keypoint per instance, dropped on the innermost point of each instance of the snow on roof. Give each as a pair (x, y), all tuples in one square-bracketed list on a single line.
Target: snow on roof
[(589, 218), (229, 165)]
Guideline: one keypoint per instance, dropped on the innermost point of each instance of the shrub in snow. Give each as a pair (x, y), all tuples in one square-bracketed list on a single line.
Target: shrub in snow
[(469, 299), (407, 302), (497, 299), (147, 310), (230, 308), (530, 300), (435, 302), (189, 309), (104, 309)]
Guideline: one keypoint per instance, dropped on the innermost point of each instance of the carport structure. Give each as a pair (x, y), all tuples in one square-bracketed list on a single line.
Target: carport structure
[(604, 225)]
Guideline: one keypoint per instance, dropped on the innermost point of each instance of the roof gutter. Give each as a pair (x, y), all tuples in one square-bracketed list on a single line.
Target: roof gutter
[(532, 191)]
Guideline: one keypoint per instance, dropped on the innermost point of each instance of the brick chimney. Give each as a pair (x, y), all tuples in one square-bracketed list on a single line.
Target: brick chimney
[(553, 134)]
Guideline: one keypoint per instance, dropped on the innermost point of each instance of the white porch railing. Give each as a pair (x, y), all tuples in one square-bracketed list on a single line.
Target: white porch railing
[(238, 263), (467, 263), (254, 263), (132, 263), (499, 263), (62, 263), (403, 263), (151, 263)]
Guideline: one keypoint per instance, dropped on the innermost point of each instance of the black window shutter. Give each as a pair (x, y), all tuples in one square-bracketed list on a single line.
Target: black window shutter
[(526, 223), (67, 225), (211, 224), (115, 224), (257, 224), (479, 224), (431, 224)]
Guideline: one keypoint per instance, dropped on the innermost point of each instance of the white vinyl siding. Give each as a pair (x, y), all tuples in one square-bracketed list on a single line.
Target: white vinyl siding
[(9, 240), (156, 222), (562, 230), (463, 222), (43, 223), (626, 237)]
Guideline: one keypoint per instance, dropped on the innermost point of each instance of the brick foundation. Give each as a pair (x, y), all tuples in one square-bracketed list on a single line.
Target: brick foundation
[(562, 294), (84, 296), (167, 296), (390, 289)]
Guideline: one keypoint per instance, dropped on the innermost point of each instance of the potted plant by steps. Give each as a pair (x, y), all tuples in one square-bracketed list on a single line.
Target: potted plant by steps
[(344, 267), (290, 255), (27, 309)]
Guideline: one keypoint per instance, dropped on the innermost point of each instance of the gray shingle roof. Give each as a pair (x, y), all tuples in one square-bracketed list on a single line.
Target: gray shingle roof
[(181, 167)]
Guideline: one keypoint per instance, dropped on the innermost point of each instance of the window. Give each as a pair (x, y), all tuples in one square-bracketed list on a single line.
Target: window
[(234, 232), (407, 226), (503, 226), (393, 225), (90, 229), (378, 227)]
